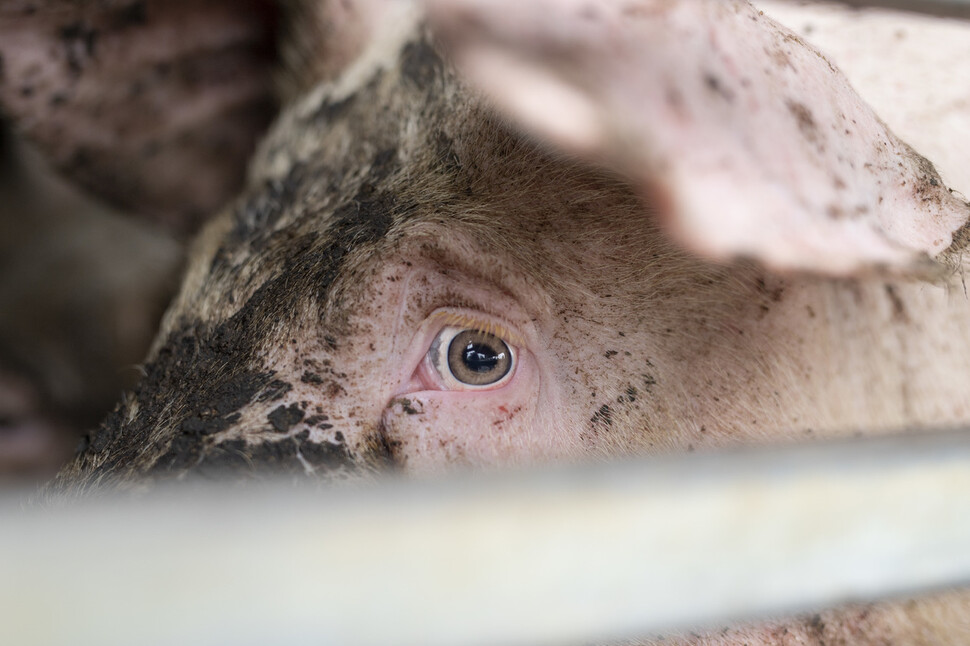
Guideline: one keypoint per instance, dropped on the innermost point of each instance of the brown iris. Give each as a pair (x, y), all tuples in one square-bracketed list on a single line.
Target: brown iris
[(478, 358)]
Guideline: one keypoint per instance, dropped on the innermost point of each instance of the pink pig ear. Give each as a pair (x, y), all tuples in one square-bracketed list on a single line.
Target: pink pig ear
[(154, 105), (749, 142)]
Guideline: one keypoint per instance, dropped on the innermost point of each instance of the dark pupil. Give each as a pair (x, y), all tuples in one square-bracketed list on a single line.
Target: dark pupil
[(479, 357)]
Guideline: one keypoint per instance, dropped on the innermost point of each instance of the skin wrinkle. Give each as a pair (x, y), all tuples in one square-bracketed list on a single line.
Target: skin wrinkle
[(402, 306), (508, 285)]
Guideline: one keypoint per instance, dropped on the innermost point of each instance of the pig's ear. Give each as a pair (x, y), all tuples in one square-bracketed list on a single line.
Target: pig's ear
[(152, 104), (749, 142), (321, 38)]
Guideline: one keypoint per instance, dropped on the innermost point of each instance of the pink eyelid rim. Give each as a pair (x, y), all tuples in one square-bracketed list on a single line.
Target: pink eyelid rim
[(422, 376)]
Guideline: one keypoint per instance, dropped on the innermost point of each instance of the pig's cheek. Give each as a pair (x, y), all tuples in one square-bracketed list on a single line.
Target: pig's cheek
[(431, 431)]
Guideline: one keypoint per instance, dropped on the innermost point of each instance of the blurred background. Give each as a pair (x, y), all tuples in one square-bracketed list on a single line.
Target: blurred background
[(153, 106), (81, 292)]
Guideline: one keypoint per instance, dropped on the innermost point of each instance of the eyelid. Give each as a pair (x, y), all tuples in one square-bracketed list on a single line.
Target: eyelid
[(414, 375), (471, 322)]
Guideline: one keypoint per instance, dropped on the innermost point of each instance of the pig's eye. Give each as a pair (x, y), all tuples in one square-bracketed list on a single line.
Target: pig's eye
[(468, 359)]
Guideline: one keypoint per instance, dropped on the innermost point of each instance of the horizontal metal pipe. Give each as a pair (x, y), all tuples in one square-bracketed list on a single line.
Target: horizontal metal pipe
[(564, 555), (938, 8)]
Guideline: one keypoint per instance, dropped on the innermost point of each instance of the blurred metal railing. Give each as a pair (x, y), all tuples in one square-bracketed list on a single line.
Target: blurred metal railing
[(939, 8), (560, 556)]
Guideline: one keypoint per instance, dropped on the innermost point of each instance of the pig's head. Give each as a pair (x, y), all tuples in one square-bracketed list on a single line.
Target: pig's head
[(398, 287), (410, 281)]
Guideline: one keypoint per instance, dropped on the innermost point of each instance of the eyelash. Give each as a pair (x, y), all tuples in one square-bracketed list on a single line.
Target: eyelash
[(469, 322), (452, 369)]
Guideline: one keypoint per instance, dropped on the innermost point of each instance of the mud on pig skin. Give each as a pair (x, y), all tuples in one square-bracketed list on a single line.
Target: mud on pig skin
[(392, 210), (390, 202)]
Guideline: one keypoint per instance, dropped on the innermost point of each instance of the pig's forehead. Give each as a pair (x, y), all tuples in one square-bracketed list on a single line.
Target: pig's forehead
[(404, 123), (344, 179), (535, 215)]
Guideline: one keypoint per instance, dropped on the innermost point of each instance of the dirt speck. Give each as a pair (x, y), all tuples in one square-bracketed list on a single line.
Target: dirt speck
[(311, 378), (407, 406), (320, 421), (604, 416), (283, 418), (715, 85), (899, 312), (274, 391), (649, 381), (806, 121), (420, 64)]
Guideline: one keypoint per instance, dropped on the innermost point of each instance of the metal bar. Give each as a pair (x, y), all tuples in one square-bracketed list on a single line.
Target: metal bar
[(570, 555), (938, 8)]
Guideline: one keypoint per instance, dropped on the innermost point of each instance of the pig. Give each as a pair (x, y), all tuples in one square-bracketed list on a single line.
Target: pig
[(489, 234)]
